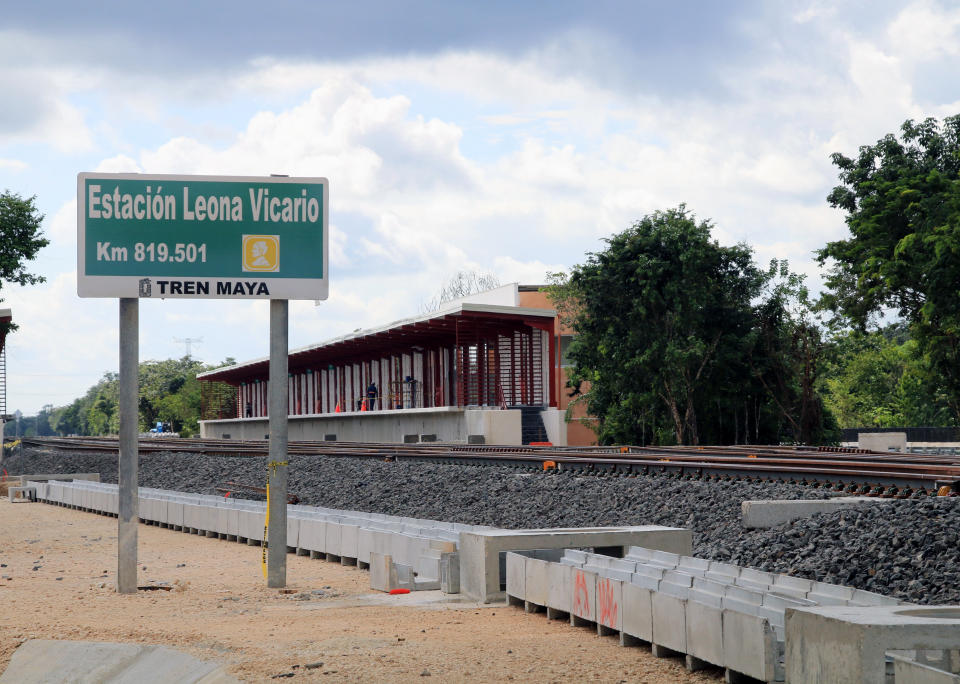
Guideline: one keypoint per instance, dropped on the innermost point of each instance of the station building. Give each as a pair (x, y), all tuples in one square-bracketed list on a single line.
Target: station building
[(485, 369)]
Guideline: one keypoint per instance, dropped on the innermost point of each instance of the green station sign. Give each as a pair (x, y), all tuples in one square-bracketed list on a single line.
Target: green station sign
[(165, 236)]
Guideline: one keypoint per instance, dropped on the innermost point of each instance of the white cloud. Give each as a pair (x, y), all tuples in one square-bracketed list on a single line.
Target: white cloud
[(473, 160), (62, 228), (925, 31), (12, 164)]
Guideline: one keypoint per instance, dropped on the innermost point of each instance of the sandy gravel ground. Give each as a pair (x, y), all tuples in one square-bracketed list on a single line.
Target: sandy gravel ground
[(57, 582)]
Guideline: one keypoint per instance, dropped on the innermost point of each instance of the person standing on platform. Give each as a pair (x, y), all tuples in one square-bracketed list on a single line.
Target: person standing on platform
[(372, 395)]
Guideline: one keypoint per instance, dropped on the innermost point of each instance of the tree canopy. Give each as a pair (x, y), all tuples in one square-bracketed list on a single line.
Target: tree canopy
[(902, 202), (169, 392), (20, 240)]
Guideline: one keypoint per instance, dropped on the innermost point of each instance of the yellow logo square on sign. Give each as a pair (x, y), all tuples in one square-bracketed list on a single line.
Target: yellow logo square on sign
[(261, 253)]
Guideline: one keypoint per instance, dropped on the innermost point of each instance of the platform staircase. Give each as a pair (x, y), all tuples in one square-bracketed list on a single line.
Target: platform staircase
[(532, 428)]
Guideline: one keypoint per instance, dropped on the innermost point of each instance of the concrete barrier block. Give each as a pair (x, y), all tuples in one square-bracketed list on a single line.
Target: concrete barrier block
[(823, 590), (583, 596), (693, 565), (678, 577), (312, 535), (798, 584), (637, 611), (253, 523), (706, 598), (705, 632), (450, 573), (709, 586), (364, 544), (293, 531), (869, 598), (758, 576), (609, 605), (559, 594), (232, 522), (749, 646), (665, 557), (383, 542), (772, 513), (537, 582), (516, 576), (669, 621), (349, 541), (383, 573), (650, 571), (645, 581), (175, 513), (190, 515), (480, 566), (726, 569), (332, 541)]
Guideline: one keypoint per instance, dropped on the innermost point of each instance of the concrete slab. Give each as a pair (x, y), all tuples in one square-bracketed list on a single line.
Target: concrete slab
[(669, 621), (47, 477), (480, 551), (383, 573), (45, 661), (705, 632), (559, 595), (583, 596), (909, 670), (750, 646), (771, 513), (450, 573), (848, 643), (637, 612), (516, 576), (537, 581), (609, 605)]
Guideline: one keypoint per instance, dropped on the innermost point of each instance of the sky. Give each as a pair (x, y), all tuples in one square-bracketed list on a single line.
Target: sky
[(508, 138)]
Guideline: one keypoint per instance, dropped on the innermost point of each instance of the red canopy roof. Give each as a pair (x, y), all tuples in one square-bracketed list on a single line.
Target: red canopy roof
[(462, 323)]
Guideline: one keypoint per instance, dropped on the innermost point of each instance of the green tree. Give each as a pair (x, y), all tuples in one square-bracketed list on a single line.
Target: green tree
[(663, 314), (881, 379), (20, 240), (170, 392), (787, 358), (902, 203)]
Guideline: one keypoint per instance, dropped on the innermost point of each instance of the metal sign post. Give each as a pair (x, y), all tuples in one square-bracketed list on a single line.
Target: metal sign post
[(128, 510), (277, 467), (201, 237)]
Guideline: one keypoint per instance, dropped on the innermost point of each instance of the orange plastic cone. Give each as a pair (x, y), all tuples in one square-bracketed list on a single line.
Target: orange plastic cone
[(337, 410), (363, 405)]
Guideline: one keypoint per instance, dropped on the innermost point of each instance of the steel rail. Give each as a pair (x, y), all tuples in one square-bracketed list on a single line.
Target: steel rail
[(863, 471)]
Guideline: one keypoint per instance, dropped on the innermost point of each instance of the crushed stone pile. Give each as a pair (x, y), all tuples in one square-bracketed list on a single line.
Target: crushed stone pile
[(908, 549)]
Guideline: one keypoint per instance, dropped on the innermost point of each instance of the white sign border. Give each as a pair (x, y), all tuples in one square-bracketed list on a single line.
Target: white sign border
[(129, 286)]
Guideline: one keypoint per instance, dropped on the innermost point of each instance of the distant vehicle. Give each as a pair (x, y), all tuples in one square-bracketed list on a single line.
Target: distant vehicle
[(161, 428)]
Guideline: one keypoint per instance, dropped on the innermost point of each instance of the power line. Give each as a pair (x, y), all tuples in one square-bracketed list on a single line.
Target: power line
[(187, 341)]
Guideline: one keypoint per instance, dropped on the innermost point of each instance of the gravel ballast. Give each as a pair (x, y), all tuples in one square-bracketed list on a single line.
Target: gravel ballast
[(908, 549)]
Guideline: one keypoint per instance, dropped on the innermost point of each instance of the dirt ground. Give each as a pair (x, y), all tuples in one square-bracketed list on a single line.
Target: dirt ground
[(57, 582)]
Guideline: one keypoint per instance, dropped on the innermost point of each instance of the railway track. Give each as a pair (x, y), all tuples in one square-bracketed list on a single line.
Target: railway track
[(849, 470)]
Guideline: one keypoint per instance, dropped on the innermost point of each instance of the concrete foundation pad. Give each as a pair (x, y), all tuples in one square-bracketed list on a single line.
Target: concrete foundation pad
[(46, 477), (771, 513), (849, 644), (480, 551), (42, 661)]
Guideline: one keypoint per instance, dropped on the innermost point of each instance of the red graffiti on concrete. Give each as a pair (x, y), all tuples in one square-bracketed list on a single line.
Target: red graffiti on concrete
[(606, 604), (581, 597)]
